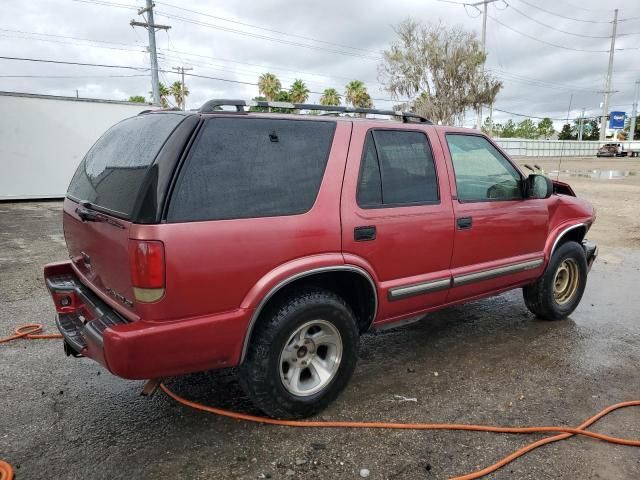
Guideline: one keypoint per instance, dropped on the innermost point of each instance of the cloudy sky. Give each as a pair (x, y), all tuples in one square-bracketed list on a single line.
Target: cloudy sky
[(326, 43)]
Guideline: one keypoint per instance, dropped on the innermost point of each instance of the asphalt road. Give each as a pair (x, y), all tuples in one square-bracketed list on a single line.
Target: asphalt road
[(487, 362)]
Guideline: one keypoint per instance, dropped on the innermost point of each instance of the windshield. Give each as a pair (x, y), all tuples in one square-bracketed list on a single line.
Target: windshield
[(111, 173)]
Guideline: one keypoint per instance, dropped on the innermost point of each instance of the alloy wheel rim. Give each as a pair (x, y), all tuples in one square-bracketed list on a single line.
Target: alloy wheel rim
[(310, 358), (565, 281)]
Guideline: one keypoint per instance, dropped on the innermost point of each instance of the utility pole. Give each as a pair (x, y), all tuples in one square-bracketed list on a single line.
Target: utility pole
[(581, 126), (607, 90), (634, 112), (151, 28), (181, 71), (484, 4)]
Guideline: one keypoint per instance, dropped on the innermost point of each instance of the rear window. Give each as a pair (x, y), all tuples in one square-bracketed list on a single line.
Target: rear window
[(111, 173), (251, 167)]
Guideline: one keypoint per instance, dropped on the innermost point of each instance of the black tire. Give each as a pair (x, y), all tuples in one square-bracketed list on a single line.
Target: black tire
[(539, 297), (260, 374)]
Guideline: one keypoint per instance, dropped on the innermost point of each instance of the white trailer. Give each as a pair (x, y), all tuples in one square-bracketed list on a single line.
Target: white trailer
[(43, 139)]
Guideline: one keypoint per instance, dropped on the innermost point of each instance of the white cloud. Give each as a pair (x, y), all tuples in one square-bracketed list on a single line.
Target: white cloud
[(535, 75)]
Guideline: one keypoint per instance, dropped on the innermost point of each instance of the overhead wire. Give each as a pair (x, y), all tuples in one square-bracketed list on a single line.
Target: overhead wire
[(544, 41), (517, 10), (262, 37), (563, 16), (216, 17)]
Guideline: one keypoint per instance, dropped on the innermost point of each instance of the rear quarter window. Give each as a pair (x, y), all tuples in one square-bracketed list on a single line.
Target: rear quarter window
[(112, 172), (252, 167)]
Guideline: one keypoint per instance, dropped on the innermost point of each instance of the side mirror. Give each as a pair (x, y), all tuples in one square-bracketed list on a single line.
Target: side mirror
[(538, 186)]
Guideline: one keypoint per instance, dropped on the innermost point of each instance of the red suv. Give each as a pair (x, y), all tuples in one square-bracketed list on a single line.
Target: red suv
[(212, 239)]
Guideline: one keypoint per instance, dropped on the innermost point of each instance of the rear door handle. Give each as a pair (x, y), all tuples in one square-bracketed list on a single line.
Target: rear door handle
[(464, 223), (363, 234)]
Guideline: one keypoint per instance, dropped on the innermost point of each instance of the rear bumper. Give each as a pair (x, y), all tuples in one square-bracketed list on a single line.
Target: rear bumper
[(143, 349), (591, 252)]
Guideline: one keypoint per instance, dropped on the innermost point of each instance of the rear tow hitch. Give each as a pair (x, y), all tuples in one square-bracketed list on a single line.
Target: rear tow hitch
[(70, 351)]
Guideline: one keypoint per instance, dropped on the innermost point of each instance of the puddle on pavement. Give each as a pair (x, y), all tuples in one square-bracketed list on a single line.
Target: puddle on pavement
[(595, 174)]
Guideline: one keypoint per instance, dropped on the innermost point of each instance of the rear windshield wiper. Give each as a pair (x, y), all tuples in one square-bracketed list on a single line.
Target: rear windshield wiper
[(87, 214)]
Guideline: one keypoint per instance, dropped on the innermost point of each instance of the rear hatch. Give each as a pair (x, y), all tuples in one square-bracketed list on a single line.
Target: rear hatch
[(106, 195)]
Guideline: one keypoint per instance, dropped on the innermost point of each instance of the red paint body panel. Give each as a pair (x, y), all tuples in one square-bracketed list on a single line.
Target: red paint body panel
[(413, 243), (217, 273)]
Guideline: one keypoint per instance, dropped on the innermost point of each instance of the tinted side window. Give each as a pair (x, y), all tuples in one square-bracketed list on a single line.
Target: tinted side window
[(370, 184), (248, 167), (112, 172), (482, 172), (397, 169)]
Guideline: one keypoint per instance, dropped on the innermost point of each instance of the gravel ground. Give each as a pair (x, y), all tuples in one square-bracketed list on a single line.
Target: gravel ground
[(486, 362)]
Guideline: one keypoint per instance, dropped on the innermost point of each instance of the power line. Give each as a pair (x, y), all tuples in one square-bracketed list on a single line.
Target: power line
[(544, 41), (515, 114), (545, 83), (72, 76), (263, 28), (61, 62), (240, 32), (264, 37), (563, 16), (107, 4), (61, 42), (554, 28)]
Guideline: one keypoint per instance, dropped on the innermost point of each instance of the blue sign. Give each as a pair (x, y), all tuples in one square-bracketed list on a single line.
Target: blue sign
[(616, 120)]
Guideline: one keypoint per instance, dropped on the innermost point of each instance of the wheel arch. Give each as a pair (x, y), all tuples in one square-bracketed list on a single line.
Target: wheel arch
[(576, 233), (361, 296)]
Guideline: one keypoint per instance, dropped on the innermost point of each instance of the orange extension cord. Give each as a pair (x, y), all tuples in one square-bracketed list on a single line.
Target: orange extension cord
[(32, 332)]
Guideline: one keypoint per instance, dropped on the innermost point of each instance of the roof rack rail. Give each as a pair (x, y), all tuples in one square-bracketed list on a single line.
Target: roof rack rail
[(215, 105)]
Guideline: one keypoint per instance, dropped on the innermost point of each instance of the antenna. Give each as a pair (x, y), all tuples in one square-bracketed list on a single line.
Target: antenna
[(562, 148)]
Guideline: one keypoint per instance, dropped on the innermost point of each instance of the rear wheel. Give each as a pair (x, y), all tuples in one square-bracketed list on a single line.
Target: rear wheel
[(302, 354), (556, 294)]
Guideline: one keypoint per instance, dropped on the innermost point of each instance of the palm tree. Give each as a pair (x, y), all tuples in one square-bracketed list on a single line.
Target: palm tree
[(269, 86), (330, 96), (179, 92), (299, 93), (356, 94), (164, 93)]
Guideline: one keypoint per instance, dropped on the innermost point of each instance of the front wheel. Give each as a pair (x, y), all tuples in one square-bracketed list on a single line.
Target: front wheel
[(556, 294), (302, 354)]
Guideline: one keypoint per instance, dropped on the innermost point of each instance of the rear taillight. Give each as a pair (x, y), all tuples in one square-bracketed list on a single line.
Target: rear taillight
[(146, 260)]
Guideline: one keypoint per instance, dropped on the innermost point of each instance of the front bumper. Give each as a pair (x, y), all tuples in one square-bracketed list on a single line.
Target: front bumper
[(590, 251), (142, 349)]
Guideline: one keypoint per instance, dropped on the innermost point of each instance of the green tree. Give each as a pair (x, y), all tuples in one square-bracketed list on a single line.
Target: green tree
[(509, 129), (591, 130), (137, 99), (438, 69), (356, 94), (180, 93), (269, 85), (527, 129), (494, 130), (566, 133), (545, 128), (330, 96), (298, 92), (164, 95)]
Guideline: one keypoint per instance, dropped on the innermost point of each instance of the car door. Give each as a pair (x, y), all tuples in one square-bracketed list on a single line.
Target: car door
[(397, 217), (499, 234)]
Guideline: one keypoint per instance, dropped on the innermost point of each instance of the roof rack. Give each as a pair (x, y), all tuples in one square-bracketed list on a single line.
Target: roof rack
[(215, 105)]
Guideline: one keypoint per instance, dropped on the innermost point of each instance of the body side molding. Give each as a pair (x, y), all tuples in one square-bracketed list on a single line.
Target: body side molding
[(496, 272), (405, 291)]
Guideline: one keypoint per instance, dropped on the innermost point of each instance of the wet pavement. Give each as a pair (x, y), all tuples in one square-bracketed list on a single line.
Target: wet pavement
[(488, 362)]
